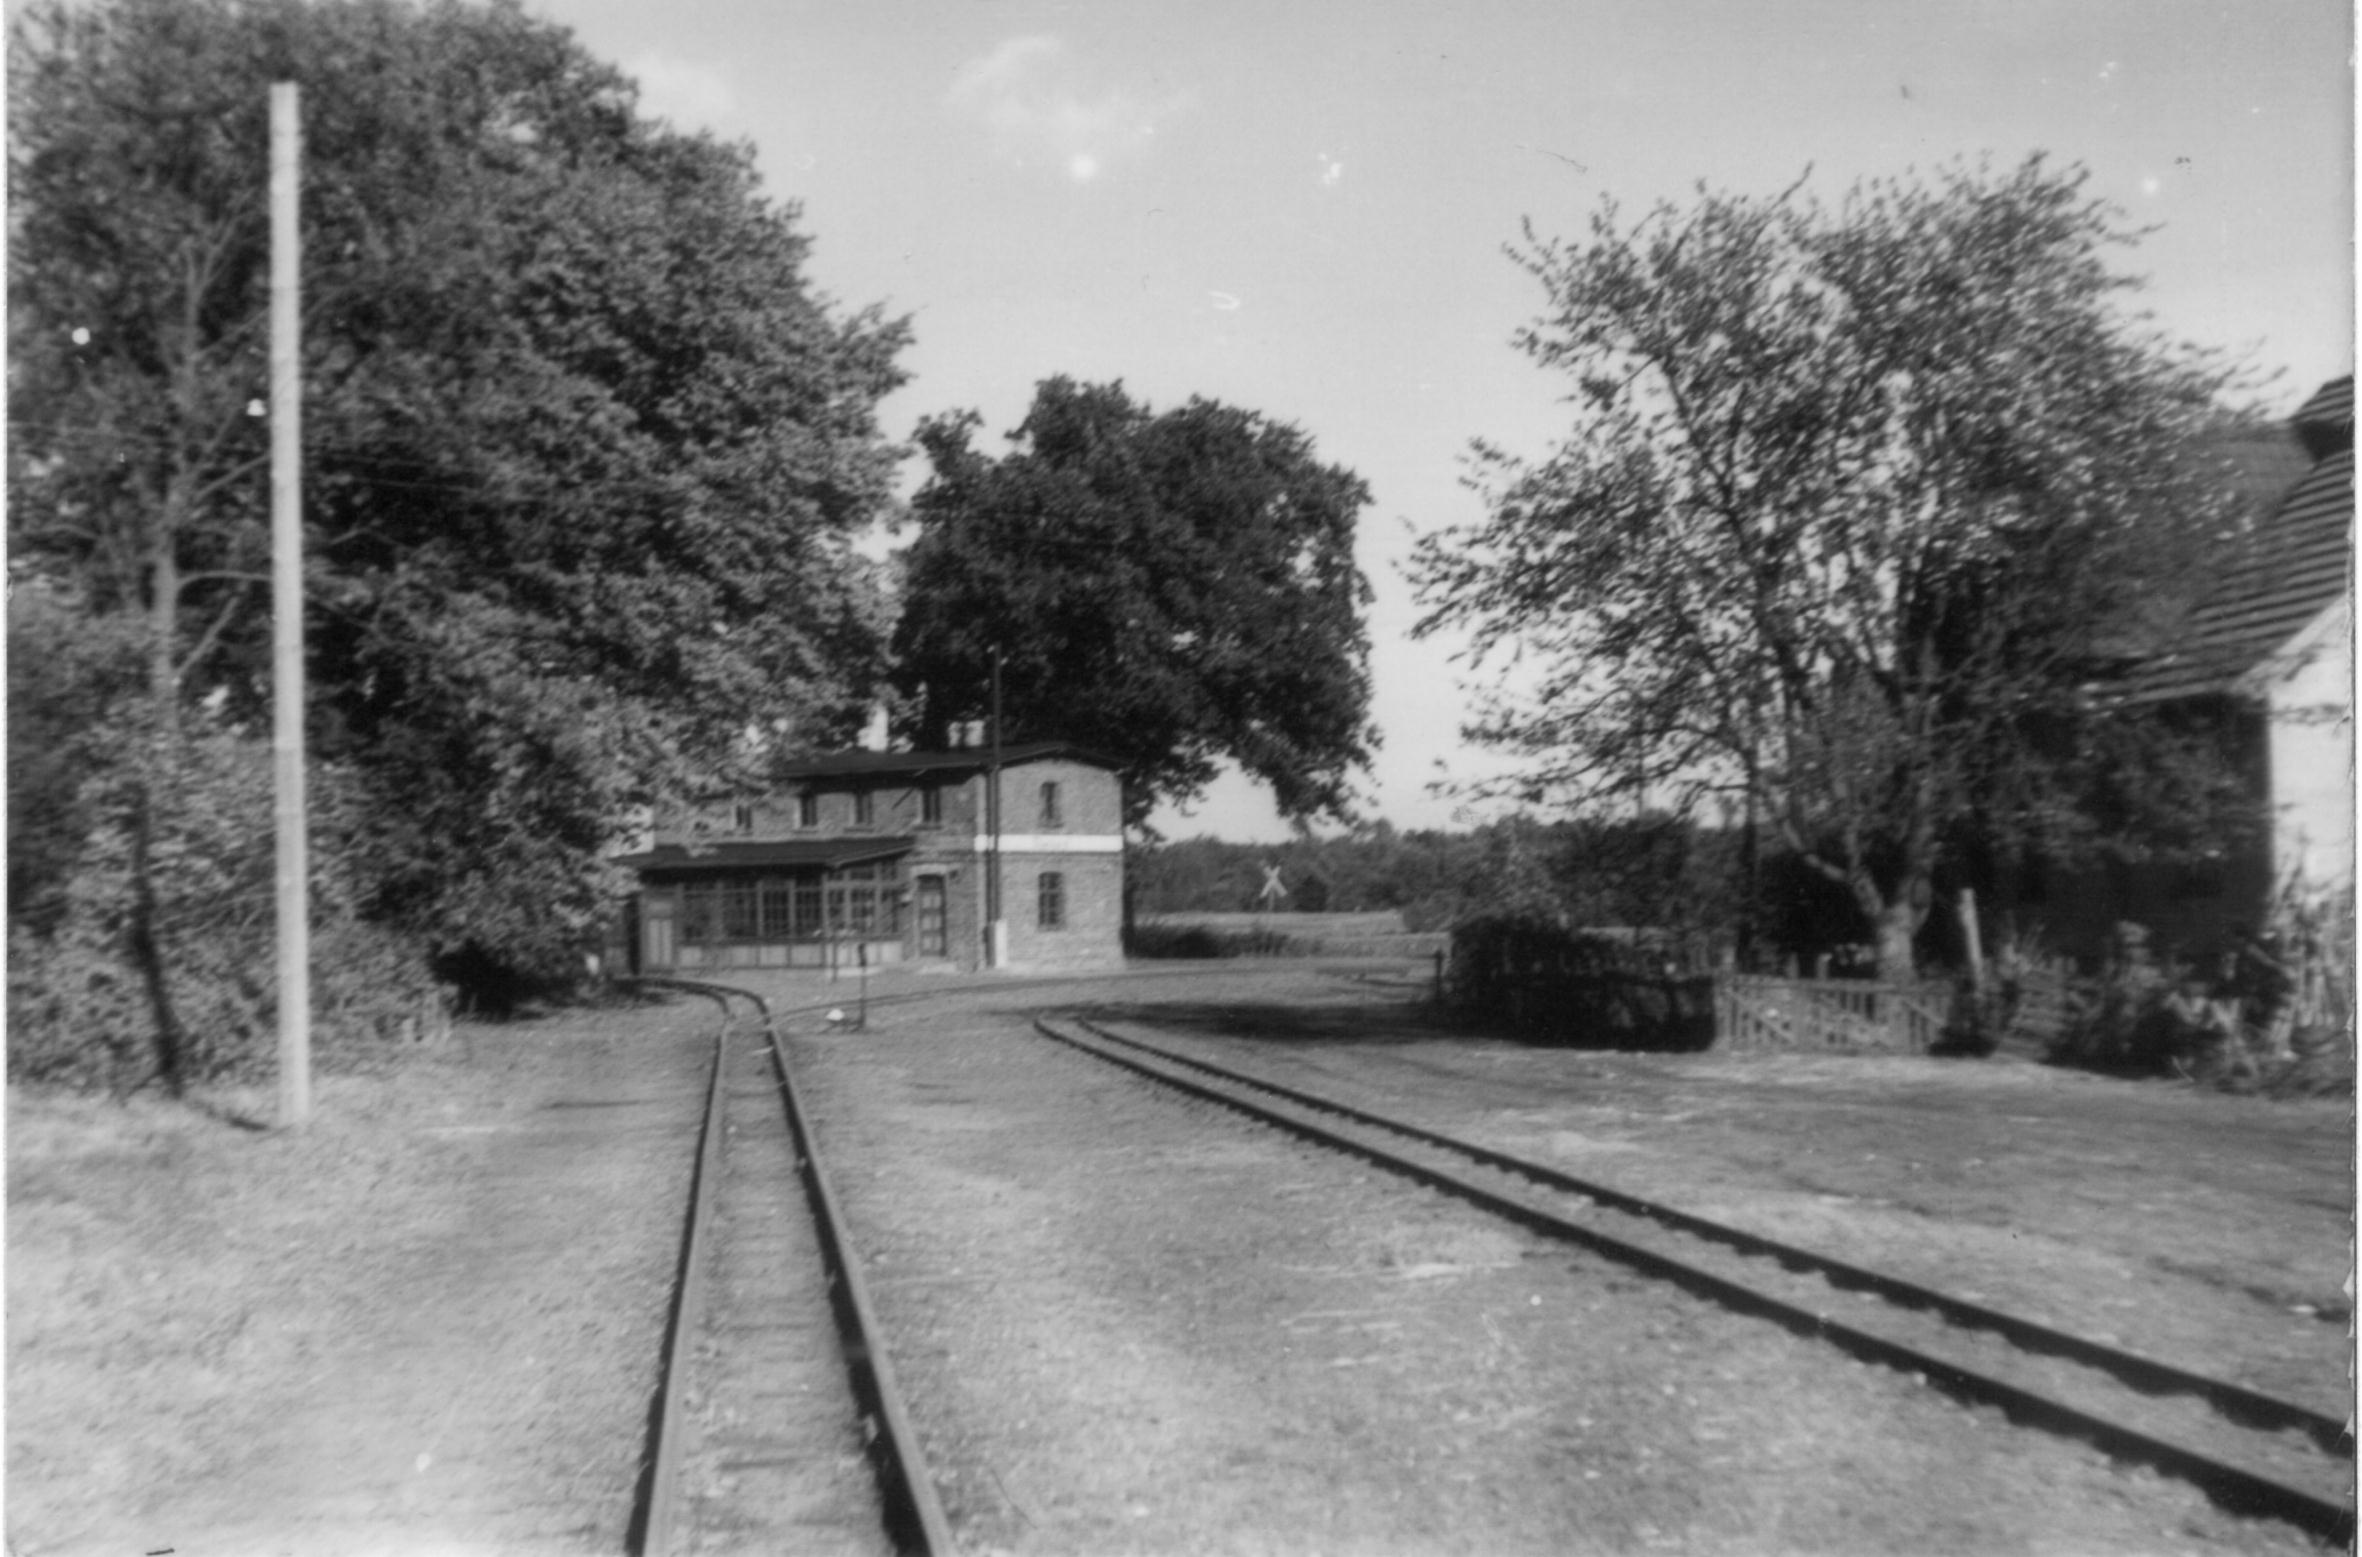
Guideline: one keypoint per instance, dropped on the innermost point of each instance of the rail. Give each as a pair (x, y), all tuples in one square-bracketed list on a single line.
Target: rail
[(2236, 1486), (914, 1515)]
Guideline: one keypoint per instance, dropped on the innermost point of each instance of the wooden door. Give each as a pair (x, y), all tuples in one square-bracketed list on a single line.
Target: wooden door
[(932, 940), (656, 932)]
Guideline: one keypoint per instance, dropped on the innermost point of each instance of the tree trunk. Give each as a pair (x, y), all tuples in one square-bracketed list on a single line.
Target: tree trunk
[(1895, 918), (145, 944), (1896, 922), (164, 631), (143, 935), (1896, 927)]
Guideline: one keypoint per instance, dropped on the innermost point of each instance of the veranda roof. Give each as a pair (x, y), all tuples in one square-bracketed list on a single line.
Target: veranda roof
[(673, 859)]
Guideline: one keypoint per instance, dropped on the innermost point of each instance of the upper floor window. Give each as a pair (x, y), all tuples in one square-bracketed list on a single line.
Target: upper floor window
[(864, 808), (930, 805), (807, 809), (742, 816), (1053, 815)]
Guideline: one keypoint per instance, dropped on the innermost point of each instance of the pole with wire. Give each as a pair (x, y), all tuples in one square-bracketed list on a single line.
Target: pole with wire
[(996, 929), (287, 688)]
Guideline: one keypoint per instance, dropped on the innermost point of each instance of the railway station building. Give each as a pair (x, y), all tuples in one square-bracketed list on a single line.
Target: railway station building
[(887, 858)]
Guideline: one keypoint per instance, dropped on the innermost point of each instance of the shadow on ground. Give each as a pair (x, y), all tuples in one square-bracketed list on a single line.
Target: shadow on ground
[(1277, 1022), (1398, 1020)]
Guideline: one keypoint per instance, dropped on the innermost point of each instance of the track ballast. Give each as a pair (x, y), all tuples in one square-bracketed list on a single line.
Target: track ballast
[(771, 1320)]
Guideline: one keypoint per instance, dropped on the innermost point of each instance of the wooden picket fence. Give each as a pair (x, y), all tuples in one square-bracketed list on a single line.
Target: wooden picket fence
[(1755, 1012)]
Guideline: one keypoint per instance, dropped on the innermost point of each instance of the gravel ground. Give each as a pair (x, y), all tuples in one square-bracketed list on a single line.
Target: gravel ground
[(1132, 1323)]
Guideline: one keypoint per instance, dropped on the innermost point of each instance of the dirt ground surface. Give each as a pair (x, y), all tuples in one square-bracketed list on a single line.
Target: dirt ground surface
[(431, 1322), (1136, 1324), (2209, 1230)]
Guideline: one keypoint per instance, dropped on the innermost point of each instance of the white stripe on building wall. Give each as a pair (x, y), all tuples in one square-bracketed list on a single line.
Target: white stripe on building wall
[(1054, 843)]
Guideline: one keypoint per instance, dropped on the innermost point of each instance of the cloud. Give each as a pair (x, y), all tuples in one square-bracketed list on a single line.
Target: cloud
[(1331, 170), (1041, 103), (692, 96)]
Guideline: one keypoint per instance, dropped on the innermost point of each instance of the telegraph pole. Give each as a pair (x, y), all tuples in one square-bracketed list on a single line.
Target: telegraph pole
[(287, 693), (996, 929)]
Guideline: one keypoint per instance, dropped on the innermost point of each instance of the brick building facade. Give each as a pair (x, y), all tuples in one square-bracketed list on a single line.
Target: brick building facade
[(887, 857)]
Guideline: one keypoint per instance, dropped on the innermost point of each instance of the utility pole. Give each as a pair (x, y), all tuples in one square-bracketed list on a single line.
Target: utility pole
[(1750, 869), (996, 929), (287, 691)]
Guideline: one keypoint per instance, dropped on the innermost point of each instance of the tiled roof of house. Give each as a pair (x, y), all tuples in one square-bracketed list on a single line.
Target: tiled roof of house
[(968, 759), (743, 854), (2262, 463), (2295, 565), (2325, 423)]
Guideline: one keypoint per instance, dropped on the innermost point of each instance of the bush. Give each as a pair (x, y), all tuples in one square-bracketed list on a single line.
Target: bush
[(1205, 943), (2277, 1016), (160, 965), (1546, 981)]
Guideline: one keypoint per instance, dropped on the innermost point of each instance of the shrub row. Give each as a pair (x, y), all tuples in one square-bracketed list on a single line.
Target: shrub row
[(1199, 942), (1550, 983)]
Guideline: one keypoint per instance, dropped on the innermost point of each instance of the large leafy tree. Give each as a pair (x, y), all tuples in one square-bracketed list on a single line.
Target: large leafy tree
[(1856, 504), (1170, 588), (585, 455)]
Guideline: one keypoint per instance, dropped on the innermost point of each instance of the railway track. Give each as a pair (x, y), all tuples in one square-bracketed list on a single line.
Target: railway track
[(771, 1324), (734, 1460), (2253, 1454)]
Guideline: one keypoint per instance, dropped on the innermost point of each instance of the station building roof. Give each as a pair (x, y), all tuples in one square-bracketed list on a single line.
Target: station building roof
[(965, 759)]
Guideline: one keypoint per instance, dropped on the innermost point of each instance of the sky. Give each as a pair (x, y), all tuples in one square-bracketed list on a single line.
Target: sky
[(1301, 209)]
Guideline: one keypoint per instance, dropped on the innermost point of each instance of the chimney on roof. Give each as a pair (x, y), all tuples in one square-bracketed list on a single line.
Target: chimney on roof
[(873, 732)]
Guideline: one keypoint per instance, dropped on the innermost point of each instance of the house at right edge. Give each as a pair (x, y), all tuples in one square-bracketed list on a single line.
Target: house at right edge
[(2268, 657)]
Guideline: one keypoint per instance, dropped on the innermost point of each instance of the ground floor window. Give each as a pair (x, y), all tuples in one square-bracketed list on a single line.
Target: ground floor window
[(700, 912), (813, 905), (741, 916), (1050, 900)]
